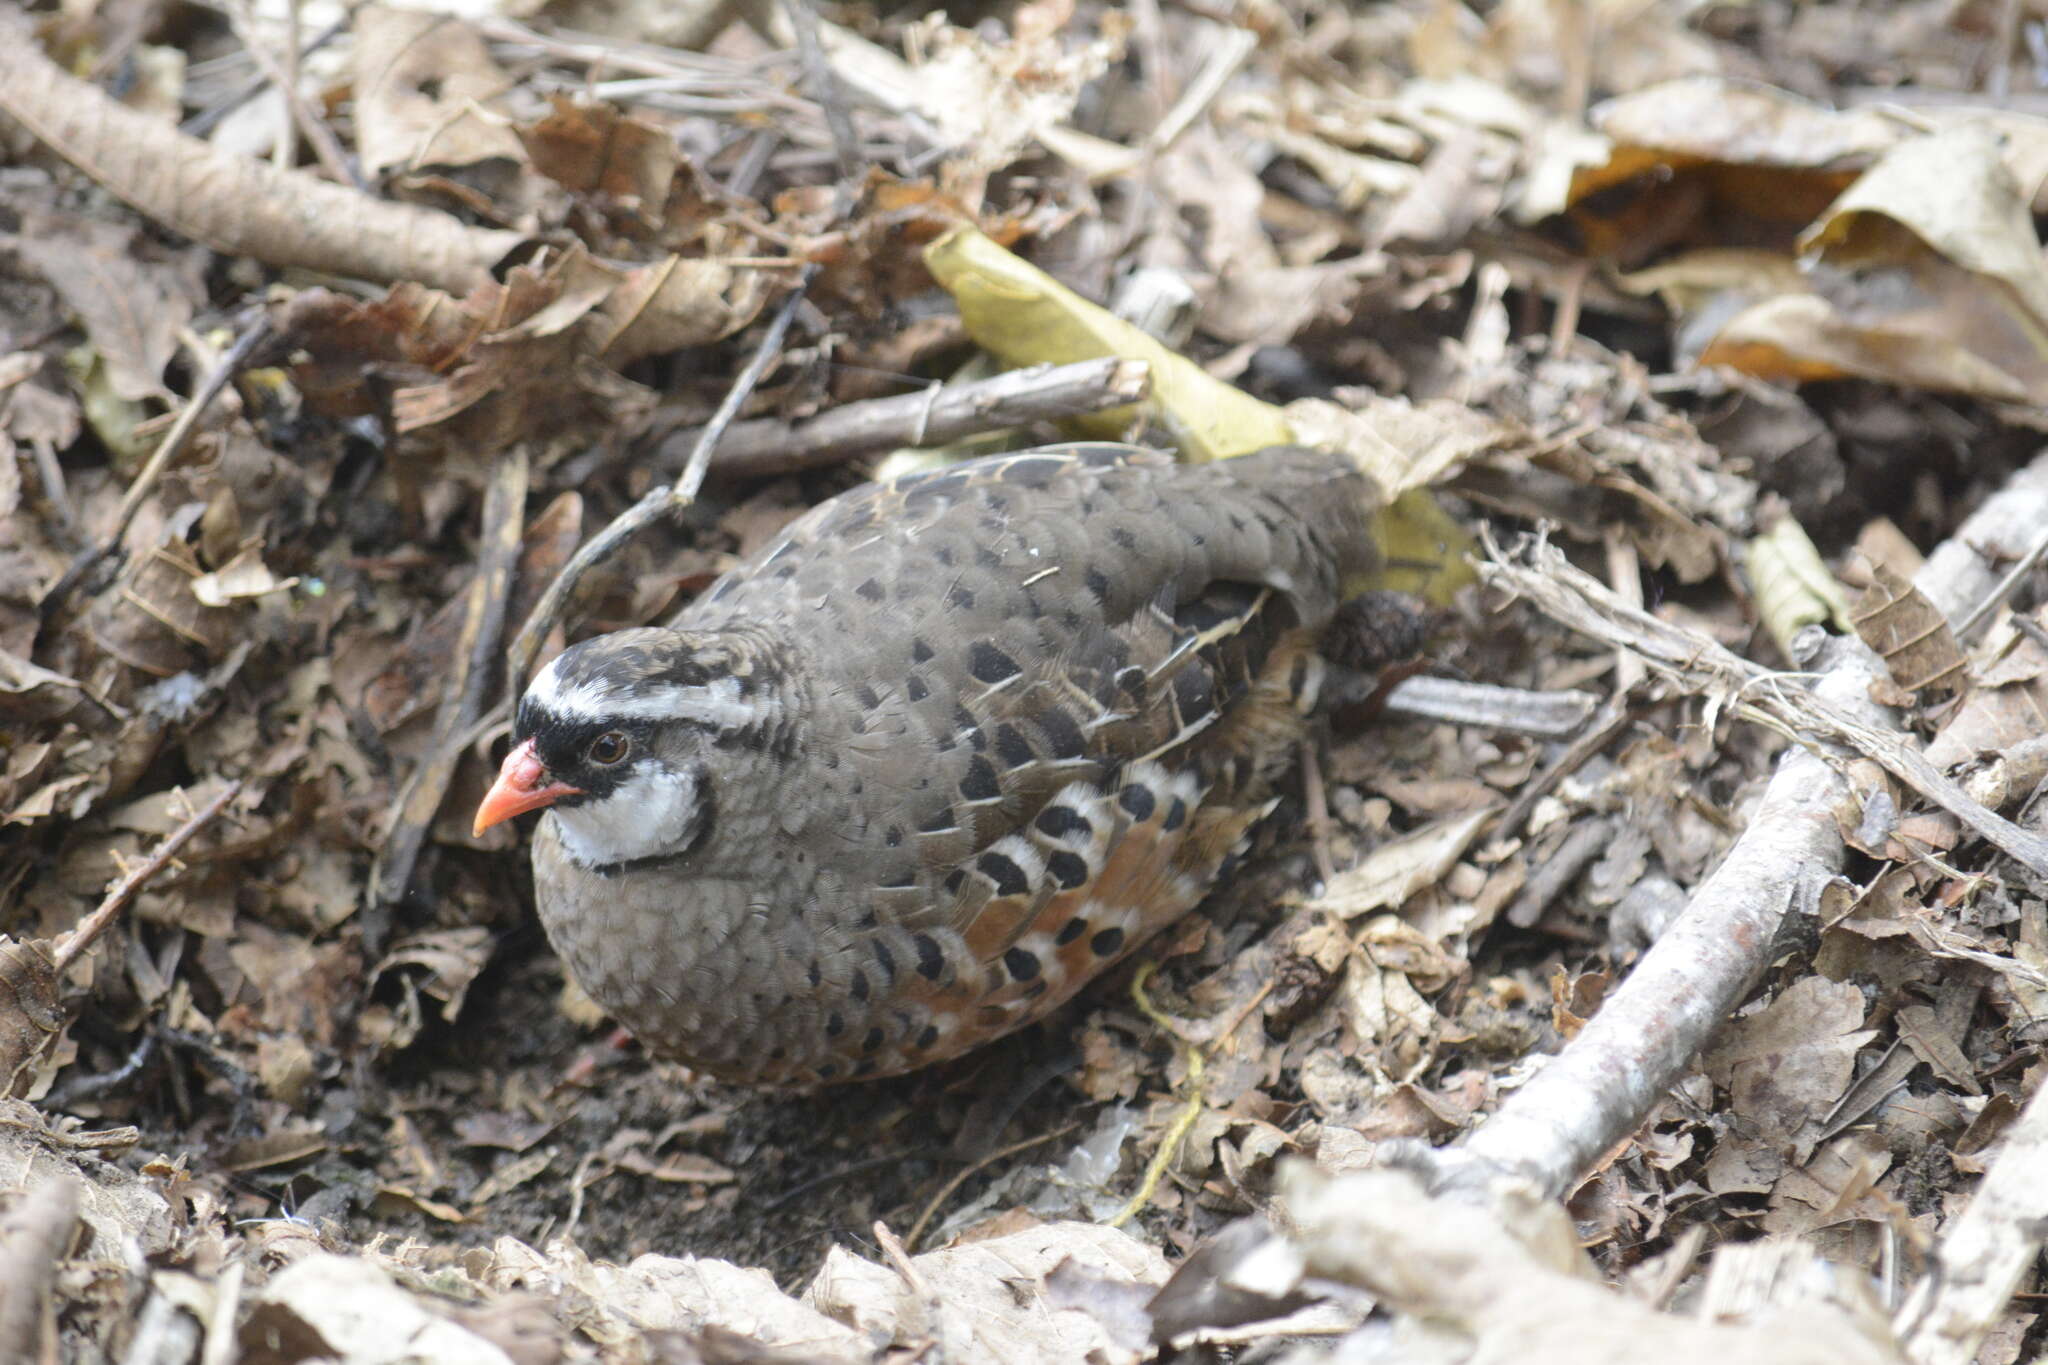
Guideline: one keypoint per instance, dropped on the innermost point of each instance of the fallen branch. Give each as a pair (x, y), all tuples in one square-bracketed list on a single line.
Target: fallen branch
[(462, 697), (1599, 1089), (1039, 393), (233, 204), (1512, 1284), (1605, 1082)]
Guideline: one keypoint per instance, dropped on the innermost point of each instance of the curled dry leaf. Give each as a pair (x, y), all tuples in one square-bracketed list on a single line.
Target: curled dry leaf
[(635, 182), (32, 695), (244, 576), (593, 149), (451, 959), (526, 359), (1926, 271), (1793, 587)]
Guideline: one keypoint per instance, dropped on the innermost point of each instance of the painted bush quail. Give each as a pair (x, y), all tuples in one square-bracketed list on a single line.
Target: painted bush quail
[(948, 748)]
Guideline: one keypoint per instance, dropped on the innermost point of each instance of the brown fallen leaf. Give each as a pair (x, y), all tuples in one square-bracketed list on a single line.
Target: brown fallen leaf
[(1786, 1066), (424, 83), (131, 304), (524, 360), (1909, 633), (30, 1018)]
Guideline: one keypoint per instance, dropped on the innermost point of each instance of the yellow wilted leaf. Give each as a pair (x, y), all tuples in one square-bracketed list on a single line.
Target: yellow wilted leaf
[(1026, 317)]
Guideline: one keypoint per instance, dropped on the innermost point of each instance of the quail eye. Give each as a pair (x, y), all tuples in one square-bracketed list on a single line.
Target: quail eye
[(608, 748)]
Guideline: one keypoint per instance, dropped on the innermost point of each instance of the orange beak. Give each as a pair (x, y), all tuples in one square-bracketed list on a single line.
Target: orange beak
[(522, 786)]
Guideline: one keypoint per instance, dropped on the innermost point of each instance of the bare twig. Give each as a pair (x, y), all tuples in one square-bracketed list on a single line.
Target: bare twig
[(1598, 1090), (824, 88), (95, 924), (658, 502), (1317, 797), (283, 74), (678, 61), (899, 1260), (742, 388), (1587, 840), (1625, 576), (483, 628), (1548, 715), (1992, 600), (1040, 393), (209, 118), (1613, 718), (1225, 55), (961, 1176), (255, 330)]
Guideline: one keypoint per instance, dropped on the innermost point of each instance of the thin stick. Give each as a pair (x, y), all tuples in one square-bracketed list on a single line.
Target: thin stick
[(824, 88), (283, 76), (761, 447), (1225, 57), (742, 388), (209, 118), (1318, 799), (2027, 563), (95, 924), (961, 1177), (658, 501), (255, 331), (483, 629), (1615, 716)]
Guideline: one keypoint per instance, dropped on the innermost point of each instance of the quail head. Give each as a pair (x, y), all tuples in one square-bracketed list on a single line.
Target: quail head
[(951, 746)]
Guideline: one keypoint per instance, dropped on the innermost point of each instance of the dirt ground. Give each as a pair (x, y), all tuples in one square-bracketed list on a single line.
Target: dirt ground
[(1657, 961)]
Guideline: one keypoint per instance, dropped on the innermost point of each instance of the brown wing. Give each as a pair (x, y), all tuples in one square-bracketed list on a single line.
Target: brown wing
[(1051, 680)]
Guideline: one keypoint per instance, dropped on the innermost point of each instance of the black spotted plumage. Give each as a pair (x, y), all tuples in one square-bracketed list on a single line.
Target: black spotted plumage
[(1011, 716)]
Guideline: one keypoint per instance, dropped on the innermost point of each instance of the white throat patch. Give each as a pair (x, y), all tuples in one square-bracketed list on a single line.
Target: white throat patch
[(655, 812)]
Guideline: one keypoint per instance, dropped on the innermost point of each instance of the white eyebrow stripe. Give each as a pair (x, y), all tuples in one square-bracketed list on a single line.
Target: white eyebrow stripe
[(717, 704)]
